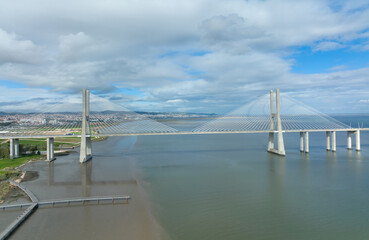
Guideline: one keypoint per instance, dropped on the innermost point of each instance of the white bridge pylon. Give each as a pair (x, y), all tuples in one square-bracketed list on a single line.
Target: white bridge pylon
[(86, 145), (280, 150)]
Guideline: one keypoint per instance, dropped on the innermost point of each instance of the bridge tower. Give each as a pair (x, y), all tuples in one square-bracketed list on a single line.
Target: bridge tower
[(280, 150), (85, 149)]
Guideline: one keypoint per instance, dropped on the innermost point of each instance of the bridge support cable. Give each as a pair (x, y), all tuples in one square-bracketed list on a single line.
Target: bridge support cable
[(280, 150), (107, 118), (85, 148)]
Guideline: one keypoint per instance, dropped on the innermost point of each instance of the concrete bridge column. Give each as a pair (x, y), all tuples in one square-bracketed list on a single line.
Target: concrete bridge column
[(16, 148), (11, 148), (333, 141), (281, 150), (50, 149), (271, 134), (349, 140), (306, 142), (301, 141), (357, 133), (328, 134), (85, 149)]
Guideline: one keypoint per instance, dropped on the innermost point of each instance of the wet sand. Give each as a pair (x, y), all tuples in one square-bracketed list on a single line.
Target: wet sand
[(108, 174)]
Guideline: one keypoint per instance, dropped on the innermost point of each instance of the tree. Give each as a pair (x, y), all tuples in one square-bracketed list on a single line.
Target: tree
[(4, 151)]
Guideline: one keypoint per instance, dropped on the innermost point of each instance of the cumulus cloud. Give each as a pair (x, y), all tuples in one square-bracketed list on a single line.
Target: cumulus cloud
[(105, 45), (14, 49), (185, 88), (74, 47), (231, 33)]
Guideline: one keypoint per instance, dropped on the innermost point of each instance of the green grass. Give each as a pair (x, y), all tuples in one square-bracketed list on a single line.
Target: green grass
[(4, 188), (33, 142), (13, 163), (6, 174), (68, 138)]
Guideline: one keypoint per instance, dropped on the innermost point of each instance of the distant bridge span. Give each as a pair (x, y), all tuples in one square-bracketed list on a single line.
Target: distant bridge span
[(271, 125), (187, 133)]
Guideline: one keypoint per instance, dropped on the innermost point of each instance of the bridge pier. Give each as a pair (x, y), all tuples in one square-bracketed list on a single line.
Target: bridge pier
[(14, 148), (301, 141), (11, 148), (306, 142), (86, 148), (333, 141), (357, 135), (50, 149), (328, 140), (349, 140)]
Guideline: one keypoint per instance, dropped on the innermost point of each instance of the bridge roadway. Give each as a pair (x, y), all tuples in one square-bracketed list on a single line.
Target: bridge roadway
[(188, 133)]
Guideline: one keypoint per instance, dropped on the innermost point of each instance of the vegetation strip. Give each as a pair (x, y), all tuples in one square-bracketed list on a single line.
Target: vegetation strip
[(24, 189)]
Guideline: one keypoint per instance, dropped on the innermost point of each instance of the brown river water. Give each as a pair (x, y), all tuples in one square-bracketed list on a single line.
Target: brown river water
[(205, 187)]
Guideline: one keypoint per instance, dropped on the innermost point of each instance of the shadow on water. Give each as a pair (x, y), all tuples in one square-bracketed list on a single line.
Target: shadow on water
[(86, 171)]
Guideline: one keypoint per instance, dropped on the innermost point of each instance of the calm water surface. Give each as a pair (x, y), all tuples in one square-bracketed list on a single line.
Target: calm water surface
[(211, 187), (229, 187)]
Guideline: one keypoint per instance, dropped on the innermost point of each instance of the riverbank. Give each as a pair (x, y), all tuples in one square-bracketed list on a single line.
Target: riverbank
[(10, 168), (107, 174)]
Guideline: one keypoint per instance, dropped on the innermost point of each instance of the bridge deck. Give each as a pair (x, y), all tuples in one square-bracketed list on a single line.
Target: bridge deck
[(186, 133)]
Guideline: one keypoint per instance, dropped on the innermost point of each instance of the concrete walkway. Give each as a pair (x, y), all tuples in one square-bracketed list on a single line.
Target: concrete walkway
[(36, 203)]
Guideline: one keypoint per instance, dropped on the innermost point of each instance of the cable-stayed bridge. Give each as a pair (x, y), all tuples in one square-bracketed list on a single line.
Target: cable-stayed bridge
[(103, 118)]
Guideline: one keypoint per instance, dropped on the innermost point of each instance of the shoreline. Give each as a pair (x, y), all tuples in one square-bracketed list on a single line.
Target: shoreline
[(13, 194), (137, 221)]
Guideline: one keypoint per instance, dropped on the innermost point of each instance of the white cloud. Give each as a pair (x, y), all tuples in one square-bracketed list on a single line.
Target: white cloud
[(328, 46), (107, 44), (13, 49), (176, 101), (186, 88), (74, 47)]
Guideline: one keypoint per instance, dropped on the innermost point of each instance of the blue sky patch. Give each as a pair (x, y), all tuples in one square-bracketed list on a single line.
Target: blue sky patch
[(308, 61), (194, 53), (11, 84)]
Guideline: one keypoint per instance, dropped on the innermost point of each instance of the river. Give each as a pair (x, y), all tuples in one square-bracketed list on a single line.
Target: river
[(192, 187)]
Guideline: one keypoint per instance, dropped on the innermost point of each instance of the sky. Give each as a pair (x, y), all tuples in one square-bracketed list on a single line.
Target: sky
[(204, 56)]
